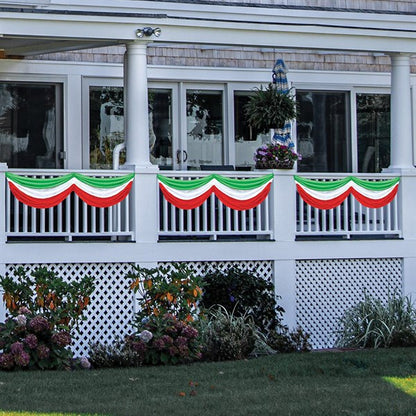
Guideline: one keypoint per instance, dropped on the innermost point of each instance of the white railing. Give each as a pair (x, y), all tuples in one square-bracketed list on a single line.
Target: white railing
[(213, 220), (70, 219), (348, 219)]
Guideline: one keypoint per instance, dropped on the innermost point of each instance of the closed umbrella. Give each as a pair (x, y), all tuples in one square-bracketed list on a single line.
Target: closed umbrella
[(282, 136)]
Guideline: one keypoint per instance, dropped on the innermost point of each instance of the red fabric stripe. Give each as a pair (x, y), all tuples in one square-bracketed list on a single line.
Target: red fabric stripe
[(317, 203), (38, 202), (98, 202), (242, 205), (185, 204), (375, 203)]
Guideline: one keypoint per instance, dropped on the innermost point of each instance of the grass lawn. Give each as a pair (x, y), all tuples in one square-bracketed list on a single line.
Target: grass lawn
[(320, 383)]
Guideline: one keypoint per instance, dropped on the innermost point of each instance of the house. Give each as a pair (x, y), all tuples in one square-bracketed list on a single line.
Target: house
[(187, 68)]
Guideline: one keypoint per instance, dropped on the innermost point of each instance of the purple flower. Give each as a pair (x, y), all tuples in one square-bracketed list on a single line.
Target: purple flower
[(189, 332), (43, 352), (145, 336), (181, 341), (173, 351), (23, 310), (22, 360), (21, 320), (16, 348), (159, 344), (31, 341), (39, 324), (168, 340), (62, 339), (6, 361), (85, 363)]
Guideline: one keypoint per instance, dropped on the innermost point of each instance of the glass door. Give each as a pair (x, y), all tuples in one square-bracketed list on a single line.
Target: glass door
[(202, 143)]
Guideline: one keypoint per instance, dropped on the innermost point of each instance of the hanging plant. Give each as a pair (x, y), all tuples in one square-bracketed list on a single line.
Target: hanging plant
[(269, 108)]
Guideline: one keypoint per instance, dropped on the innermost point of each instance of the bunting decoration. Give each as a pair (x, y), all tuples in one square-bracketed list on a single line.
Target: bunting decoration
[(237, 194), (328, 195), (48, 192)]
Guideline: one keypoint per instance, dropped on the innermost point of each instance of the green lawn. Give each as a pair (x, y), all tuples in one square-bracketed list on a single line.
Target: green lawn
[(319, 383)]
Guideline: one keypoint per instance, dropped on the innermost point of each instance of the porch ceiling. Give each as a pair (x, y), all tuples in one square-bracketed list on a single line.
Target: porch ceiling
[(57, 26)]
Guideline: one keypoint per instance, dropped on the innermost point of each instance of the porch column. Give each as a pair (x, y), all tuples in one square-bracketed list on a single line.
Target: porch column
[(136, 105), (401, 115)]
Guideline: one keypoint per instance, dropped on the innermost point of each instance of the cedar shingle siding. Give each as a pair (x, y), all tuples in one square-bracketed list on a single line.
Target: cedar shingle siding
[(260, 58)]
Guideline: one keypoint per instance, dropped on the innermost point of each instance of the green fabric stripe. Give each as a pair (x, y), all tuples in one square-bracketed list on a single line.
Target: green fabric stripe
[(184, 185), (38, 183), (322, 185), (376, 185), (332, 185), (104, 182), (44, 183), (242, 184)]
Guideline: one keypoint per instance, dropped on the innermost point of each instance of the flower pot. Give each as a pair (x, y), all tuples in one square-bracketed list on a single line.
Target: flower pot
[(275, 164)]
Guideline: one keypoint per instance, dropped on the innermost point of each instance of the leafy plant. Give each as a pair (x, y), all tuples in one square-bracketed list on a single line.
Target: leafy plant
[(45, 294), (226, 336), (269, 108), (271, 153), (372, 323), (163, 291)]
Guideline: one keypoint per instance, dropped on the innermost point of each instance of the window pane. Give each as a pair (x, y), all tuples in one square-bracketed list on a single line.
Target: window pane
[(29, 132), (322, 134), (204, 128), (106, 125), (247, 139), (160, 126), (373, 132)]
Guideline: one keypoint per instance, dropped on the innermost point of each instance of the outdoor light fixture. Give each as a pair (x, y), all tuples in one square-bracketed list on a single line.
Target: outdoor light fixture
[(148, 31)]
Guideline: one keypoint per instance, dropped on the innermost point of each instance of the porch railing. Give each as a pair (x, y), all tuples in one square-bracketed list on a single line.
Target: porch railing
[(348, 219), (70, 219), (213, 220)]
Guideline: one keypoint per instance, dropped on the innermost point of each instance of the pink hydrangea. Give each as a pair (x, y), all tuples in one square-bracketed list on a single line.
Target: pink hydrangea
[(43, 352), (31, 341), (39, 324), (6, 361), (22, 360), (16, 348), (62, 339)]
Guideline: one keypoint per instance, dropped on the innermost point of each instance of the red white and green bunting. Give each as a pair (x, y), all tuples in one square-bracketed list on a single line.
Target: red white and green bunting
[(238, 194), (48, 192), (328, 195)]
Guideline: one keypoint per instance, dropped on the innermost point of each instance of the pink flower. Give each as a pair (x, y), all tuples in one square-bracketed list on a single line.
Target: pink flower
[(62, 339), (43, 352), (6, 361), (22, 360), (31, 341), (16, 348)]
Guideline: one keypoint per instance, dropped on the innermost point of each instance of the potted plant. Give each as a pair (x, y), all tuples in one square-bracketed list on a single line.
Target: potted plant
[(269, 108), (275, 156)]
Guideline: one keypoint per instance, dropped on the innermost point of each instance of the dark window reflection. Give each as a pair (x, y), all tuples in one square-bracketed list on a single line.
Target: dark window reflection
[(373, 132), (30, 134), (322, 131)]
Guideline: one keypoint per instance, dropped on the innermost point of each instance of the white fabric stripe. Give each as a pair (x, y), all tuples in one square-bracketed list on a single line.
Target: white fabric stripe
[(238, 194), (51, 192), (328, 195)]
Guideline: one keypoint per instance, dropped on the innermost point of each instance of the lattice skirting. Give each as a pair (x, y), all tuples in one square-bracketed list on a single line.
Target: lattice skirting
[(111, 308), (326, 288)]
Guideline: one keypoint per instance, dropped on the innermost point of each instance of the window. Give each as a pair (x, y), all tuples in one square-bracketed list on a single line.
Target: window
[(246, 138), (204, 121), (373, 132), (323, 131), (31, 125)]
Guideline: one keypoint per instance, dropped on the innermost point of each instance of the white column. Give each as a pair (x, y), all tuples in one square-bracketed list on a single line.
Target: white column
[(401, 114), (136, 105)]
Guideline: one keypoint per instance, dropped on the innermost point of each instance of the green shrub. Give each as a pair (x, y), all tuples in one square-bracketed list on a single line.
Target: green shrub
[(372, 323), (243, 292), (226, 336), (117, 354)]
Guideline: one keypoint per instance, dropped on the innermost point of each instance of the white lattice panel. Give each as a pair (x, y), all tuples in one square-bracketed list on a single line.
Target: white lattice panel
[(263, 268), (111, 309), (326, 288)]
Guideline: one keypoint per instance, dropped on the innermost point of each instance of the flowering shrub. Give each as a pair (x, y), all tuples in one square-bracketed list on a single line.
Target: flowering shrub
[(33, 342), (271, 153), (162, 291), (165, 340), (43, 309)]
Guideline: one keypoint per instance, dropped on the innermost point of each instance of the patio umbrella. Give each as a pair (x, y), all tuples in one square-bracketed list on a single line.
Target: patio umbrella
[(282, 136)]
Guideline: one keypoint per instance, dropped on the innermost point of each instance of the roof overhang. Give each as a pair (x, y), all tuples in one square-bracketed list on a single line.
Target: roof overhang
[(53, 26)]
